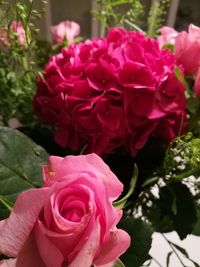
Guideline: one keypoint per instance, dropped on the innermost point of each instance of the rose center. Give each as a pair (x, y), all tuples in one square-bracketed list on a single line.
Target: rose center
[(73, 214)]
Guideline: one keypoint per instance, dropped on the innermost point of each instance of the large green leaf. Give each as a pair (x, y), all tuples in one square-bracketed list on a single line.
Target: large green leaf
[(196, 230), (174, 210), (140, 233), (20, 166)]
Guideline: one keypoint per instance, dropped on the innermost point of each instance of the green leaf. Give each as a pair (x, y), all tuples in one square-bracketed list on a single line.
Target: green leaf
[(20, 166), (169, 46), (195, 264), (174, 210), (180, 77), (140, 233), (122, 202), (182, 250), (150, 181), (196, 230), (118, 263)]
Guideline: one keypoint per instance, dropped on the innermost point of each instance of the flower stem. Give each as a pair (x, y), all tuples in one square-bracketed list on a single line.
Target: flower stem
[(6, 203), (174, 250)]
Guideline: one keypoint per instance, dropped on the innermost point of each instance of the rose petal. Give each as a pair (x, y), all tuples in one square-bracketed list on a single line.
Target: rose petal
[(60, 167), (29, 256), (117, 244), (86, 255), (8, 263), (51, 256), (15, 230)]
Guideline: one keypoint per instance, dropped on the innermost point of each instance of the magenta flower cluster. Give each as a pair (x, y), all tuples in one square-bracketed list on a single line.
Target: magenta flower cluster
[(112, 92)]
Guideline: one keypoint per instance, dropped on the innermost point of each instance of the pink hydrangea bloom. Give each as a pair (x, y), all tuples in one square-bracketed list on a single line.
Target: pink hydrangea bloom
[(65, 29), (70, 221), (16, 26), (168, 36), (111, 92)]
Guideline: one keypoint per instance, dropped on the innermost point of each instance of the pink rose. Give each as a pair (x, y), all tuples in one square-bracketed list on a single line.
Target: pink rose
[(65, 29), (70, 221), (111, 92), (168, 36), (16, 26), (187, 47), (14, 123)]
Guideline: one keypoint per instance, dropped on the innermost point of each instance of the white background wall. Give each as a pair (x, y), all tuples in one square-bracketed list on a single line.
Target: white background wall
[(160, 249)]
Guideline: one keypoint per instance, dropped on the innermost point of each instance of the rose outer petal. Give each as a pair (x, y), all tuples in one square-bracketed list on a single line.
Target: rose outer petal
[(48, 252), (60, 167), (117, 244), (8, 263), (15, 230), (86, 255), (29, 256)]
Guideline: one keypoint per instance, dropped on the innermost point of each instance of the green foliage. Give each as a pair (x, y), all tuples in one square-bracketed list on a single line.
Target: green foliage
[(157, 16), (196, 230), (16, 90), (173, 210), (20, 63), (132, 14), (118, 263), (182, 158), (119, 13), (140, 233), (176, 248), (123, 201), (20, 166)]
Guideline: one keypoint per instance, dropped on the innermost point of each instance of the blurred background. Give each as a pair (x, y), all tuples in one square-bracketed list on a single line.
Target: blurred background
[(180, 14)]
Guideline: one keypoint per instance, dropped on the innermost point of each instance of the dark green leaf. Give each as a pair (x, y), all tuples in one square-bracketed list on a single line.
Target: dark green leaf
[(168, 258), (195, 264), (185, 217), (182, 250), (122, 202), (174, 210), (150, 181), (192, 105), (140, 233), (20, 166), (196, 230)]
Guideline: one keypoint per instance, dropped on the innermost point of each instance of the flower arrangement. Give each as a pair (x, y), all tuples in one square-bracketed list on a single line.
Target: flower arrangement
[(118, 153)]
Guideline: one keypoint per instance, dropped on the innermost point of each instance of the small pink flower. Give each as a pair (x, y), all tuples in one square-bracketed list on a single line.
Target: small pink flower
[(16, 26), (168, 36), (66, 29), (187, 47), (3, 37), (70, 221), (14, 123)]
